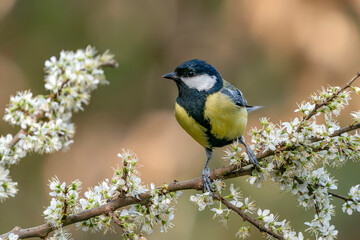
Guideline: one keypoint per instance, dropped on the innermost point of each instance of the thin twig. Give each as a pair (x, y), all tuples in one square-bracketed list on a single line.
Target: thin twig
[(23, 132), (342, 197), (17, 137), (330, 193), (64, 214), (112, 64), (116, 220), (328, 100), (281, 146), (345, 129), (247, 218)]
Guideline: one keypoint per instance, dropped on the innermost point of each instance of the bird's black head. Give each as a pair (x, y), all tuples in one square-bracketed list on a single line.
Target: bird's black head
[(195, 67), (196, 74)]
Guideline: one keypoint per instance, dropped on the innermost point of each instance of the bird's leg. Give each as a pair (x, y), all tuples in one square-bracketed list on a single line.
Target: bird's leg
[(206, 172), (250, 153)]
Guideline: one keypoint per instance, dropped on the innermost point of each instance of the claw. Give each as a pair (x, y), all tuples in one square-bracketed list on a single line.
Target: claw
[(206, 173), (206, 181), (250, 154), (252, 157)]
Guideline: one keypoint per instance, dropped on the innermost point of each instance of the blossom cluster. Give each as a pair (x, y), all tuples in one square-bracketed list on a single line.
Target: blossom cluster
[(61, 234), (264, 217), (64, 201), (45, 120), (139, 219), (125, 181), (135, 221), (295, 155), (353, 201), (271, 221)]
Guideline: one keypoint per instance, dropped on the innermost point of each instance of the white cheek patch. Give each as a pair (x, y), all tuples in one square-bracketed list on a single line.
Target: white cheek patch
[(201, 82)]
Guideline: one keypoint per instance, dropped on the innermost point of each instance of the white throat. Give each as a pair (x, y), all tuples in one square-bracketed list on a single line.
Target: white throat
[(201, 82)]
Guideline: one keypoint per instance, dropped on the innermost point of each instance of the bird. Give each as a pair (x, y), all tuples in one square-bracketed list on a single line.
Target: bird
[(211, 110)]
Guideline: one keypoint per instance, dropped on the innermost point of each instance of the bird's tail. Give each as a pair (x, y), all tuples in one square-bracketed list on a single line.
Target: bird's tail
[(253, 108)]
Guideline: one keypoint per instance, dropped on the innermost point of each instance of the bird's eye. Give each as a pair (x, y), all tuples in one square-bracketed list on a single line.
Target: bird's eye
[(191, 73)]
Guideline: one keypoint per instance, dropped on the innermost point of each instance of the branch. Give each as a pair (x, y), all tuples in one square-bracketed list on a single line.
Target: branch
[(116, 220), (228, 172), (342, 197), (330, 193), (108, 208), (281, 146), (245, 217), (53, 97), (328, 100), (349, 128), (17, 137)]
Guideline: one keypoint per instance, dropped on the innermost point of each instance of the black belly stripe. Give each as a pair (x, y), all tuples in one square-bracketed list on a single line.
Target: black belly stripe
[(215, 142)]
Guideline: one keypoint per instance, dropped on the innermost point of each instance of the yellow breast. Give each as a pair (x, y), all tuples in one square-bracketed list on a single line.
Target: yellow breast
[(194, 129), (227, 120)]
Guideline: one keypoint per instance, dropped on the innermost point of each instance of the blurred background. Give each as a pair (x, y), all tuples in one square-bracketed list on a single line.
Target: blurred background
[(276, 52)]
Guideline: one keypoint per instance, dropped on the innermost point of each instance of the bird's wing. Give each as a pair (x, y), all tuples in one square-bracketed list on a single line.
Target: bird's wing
[(237, 97), (235, 94)]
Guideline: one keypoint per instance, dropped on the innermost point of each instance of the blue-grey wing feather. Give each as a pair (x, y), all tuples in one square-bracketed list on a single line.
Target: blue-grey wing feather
[(235, 94), (237, 97)]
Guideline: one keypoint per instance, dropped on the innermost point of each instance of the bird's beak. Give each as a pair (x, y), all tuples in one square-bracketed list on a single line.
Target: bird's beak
[(170, 76)]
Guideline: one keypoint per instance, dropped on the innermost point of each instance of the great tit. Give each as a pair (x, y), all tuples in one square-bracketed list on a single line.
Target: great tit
[(210, 110)]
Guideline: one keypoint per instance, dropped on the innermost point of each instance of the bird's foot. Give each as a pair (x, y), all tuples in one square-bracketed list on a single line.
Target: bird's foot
[(252, 157), (250, 153), (206, 181)]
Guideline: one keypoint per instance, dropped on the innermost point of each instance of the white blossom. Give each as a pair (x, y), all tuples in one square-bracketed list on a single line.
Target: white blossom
[(248, 205), (353, 202), (305, 108), (356, 89), (356, 116), (235, 193), (202, 200), (61, 234), (300, 151), (219, 185), (138, 219), (8, 188), (13, 236), (45, 120), (243, 232), (65, 201), (54, 212)]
